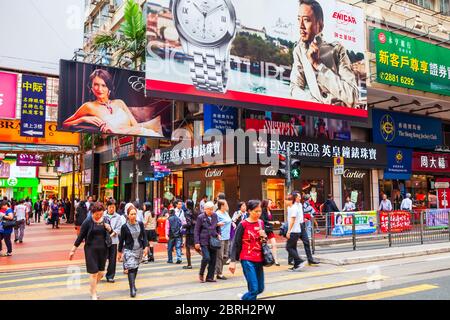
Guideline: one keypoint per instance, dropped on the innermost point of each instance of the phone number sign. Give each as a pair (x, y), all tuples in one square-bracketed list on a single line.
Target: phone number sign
[(411, 63)]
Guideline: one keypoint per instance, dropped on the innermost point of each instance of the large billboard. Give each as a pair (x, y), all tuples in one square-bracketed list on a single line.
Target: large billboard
[(410, 63), (8, 95), (274, 55), (100, 99)]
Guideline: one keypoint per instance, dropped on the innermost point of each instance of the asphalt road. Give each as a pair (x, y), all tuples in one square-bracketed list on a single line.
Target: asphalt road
[(426, 277)]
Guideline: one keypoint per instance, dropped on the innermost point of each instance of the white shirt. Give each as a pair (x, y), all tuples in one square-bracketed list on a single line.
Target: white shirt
[(293, 212), (406, 204), (386, 205), (349, 206), (180, 214), (20, 211)]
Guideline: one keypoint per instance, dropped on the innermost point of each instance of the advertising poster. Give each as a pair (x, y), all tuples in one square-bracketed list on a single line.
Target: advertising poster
[(365, 223), (34, 101), (8, 95), (99, 99), (300, 126), (404, 130), (411, 63), (437, 218), (400, 221), (236, 53), (220, 117)]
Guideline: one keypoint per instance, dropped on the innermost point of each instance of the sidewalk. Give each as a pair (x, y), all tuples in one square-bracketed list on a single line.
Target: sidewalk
[(363, 256)]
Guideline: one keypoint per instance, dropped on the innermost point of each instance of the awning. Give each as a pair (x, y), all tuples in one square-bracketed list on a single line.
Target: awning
[(39, 148)]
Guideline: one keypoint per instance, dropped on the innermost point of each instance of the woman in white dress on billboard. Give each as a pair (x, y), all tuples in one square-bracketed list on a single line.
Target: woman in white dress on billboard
[(111, 116)]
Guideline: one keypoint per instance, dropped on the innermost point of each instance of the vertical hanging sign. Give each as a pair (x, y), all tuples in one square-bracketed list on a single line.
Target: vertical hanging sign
[(34, 94)]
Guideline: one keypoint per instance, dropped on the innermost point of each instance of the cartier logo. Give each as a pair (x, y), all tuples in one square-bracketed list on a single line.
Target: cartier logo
[(349, 174), (213, 173)]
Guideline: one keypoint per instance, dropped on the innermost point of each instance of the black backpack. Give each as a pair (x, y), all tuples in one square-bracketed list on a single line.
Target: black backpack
[(284, 229), (174, 227)]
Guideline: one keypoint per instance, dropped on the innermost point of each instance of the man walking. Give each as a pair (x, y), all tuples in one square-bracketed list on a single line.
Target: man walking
[(37, 211), (116, 222), (303, 233), (385, 204), (21, 212), (173, 235)]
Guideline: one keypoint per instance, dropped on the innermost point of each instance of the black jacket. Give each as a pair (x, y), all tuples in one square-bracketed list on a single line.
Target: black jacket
[(126, 239), (265, 217), (80, 215), (330, 206), (204, 229), (85, 233), (191, 219)]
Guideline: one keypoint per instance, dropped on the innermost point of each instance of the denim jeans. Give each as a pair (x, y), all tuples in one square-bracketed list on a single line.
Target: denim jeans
[(254, 274), (309, 228), (7, 238), (174, 242)]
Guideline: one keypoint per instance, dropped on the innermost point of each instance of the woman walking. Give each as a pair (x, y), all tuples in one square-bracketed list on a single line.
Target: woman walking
[(191, 217), (6, 228), (205, 229), (150, 223), (268, 227), (225, 232), (96, 234), (54, 215), (80, 215), (247, 247), (133, 245)]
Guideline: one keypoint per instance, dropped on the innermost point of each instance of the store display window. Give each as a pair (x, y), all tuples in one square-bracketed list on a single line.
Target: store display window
[(274, 189)]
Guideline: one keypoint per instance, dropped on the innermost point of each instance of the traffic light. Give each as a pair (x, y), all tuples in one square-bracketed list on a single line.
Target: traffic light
[(282, 170), (295, 169)]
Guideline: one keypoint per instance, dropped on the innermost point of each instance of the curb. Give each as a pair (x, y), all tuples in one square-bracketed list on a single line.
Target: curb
[(381, 257)]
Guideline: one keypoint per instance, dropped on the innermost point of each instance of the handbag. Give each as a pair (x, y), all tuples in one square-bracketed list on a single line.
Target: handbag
[(215, 243), (9, 223), (267, 253)]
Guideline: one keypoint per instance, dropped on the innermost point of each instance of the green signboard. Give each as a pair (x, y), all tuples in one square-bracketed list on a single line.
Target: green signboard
[(411, 63)]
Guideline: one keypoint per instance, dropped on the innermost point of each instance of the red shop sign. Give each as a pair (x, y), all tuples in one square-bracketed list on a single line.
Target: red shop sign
[(431, 162)]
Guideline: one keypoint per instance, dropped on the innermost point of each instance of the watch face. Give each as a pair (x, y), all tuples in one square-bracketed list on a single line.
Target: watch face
[(205, 21)]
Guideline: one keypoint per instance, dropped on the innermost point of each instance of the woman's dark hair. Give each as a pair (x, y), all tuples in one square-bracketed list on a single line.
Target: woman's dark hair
[(221, 203), (240, 205), (137, 205), (105, 76), (82, 204), (253, 204), (148, 206), (111, 202), (221, 196), (98, 206), (265, 204), (190, 205)]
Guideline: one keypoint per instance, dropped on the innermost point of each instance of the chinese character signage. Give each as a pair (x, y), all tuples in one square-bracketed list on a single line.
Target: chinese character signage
[(257, 55), (400, 221), (411, 63), (431, 162), (404, 130), (399, 164), (220, 118), (34, 95), (8, 95), (10, 133)]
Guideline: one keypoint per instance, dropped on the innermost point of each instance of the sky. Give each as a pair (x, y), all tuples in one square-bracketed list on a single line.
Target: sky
[(36, 34)]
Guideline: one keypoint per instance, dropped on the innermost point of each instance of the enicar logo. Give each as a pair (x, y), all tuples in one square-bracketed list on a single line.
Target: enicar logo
[(344, 17)]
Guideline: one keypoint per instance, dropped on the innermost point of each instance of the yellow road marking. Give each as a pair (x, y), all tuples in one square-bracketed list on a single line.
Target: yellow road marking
[(394, 292), (322, 287)]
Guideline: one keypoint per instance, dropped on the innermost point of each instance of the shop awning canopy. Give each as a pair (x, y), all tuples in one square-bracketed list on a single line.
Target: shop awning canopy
[(38, 148)]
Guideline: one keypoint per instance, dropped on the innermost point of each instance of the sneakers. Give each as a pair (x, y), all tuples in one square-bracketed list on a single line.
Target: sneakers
[(299, 267), (179, 261), (240, 295), (221, 277)]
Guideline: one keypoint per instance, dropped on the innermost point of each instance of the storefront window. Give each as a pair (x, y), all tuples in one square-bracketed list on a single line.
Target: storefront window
[(274, 189), (356, 185), (213, 188), (316, 189), (194, 191)]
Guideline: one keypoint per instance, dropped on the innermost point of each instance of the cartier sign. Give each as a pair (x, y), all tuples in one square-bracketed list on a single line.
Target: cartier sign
[(354, 174), (270, 171), (213, 173)]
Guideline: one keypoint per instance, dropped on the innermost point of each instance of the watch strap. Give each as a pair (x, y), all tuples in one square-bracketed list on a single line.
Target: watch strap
[(208, 71)]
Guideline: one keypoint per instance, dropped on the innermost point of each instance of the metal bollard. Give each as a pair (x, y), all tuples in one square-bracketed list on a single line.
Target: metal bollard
[(313, 240), (389, 229), (421, 226), (354, 231)]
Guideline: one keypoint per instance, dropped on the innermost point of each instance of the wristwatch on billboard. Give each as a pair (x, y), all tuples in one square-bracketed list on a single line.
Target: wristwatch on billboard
[(206, 29)]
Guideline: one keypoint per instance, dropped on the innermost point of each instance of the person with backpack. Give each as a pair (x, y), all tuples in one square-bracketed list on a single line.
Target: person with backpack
[(6, 227), (248, 248), (206, 234), (267, 217), (174, 236), (191, 218)]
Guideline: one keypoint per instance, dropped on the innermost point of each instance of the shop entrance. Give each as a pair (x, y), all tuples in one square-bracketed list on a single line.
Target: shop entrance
[(214, 187)]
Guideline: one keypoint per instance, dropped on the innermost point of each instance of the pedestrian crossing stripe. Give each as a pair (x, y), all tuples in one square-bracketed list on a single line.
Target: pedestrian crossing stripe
[(394, 292)]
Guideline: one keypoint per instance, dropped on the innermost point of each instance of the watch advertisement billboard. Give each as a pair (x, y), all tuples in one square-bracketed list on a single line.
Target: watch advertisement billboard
[(410, 63), (269, 56), (99, 99)]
